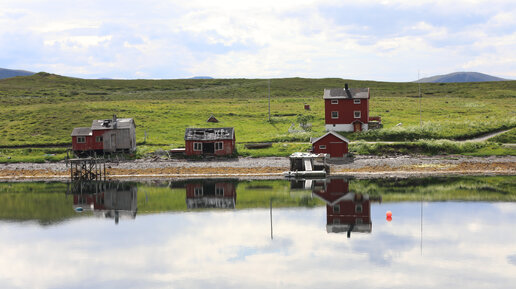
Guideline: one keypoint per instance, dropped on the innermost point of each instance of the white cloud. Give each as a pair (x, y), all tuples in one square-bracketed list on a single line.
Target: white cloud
[(258, 39)]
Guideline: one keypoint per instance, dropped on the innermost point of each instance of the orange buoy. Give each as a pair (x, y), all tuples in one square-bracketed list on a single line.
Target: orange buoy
[(388, 214), (388, 218)]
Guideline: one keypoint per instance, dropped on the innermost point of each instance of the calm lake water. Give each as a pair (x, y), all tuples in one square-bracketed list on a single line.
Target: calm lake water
[(453, 232)]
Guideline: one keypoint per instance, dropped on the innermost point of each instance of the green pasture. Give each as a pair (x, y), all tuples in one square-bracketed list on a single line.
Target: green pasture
[(43, 109)]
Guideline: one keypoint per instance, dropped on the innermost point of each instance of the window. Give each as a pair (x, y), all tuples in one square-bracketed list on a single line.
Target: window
[(334, 101), (336, 209), (219, 146), (357, 113), (219, 191), (322, 147), (359, 221), (356, 101), (336, 221), (358, 208), (197, 146), (99, 139), (198, 192), (81, 139), (334, 114)]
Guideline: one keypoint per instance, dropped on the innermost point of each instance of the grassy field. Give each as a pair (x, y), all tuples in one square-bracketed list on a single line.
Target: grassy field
[(43, 109)]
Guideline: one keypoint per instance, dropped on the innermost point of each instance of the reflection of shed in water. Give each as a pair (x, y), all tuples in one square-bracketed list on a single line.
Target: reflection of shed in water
[(211, 194), (106, 199), (345, 211)]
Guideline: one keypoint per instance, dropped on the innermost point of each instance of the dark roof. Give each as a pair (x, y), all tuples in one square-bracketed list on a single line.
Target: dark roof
[(219, 133), (338, 93), (212, 118), (81, 131), (121, 123)]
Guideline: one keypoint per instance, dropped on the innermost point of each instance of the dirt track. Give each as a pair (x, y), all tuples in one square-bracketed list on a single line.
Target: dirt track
[(362, 166)]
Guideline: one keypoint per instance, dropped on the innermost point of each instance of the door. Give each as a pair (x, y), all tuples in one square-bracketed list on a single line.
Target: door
[(337, 149), (113, 142), (357, 126), (208, 148)]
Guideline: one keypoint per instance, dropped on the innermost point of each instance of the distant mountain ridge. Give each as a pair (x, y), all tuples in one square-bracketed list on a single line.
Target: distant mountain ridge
[(461, 77), (7, 73)]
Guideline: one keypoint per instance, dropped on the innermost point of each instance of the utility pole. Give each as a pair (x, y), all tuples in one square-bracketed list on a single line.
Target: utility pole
[(269, 93), (419, 89)]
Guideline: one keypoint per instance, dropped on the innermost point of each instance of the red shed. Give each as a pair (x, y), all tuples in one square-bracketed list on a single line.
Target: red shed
[(210, 141), (332, 143), (346, 109)]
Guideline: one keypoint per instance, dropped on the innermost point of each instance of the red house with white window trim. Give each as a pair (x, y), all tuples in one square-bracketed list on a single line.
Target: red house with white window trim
[(346, 109), (210, 141), (332, 143)]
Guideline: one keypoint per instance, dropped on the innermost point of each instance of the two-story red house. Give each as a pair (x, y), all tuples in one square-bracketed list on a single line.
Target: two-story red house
[(346, 109)]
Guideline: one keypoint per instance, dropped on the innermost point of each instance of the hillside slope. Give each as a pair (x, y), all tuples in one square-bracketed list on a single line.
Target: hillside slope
[(7, 73), (461, 77)]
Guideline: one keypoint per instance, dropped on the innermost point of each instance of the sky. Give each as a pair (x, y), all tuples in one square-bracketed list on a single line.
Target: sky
[(462, 245), (389, 40)]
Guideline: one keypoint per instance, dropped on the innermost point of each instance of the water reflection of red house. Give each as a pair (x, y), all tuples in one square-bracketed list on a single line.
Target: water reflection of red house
[(211, 194), (109, 200), (345, 211)]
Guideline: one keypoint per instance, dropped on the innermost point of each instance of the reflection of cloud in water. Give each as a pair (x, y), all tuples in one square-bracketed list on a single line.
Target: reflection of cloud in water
[(278, 247), (384, 247), (512, 259)]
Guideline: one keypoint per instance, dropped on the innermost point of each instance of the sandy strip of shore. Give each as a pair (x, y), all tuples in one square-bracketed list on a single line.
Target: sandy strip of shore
[(361, 166)]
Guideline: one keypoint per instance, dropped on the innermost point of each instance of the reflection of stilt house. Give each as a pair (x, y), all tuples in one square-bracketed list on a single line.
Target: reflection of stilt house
[(211, 194), (113, 200), (345, 211)]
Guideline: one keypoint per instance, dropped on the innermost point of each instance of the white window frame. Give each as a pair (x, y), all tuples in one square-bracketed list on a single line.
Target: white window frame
[(356, 101), (219, 191), (219, 146), (336, 208), (197, 146), (334, 101), (322, 147), (359, 115), (359, 208), (336, 116), (99, 138), (198, 191), (81, 139)]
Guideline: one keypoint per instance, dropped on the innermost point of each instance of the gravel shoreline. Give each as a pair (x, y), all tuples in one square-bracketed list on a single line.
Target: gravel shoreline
[(272, 167)]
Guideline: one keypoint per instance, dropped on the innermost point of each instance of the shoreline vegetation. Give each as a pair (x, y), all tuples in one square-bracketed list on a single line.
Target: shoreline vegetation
[(22, 202), (38, 113)]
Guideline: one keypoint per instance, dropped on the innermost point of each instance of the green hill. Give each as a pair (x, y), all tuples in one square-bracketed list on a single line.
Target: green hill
[(43, 109)]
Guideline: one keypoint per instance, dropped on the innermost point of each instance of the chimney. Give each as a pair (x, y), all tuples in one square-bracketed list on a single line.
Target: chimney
[(114, 121), (346, 86)]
